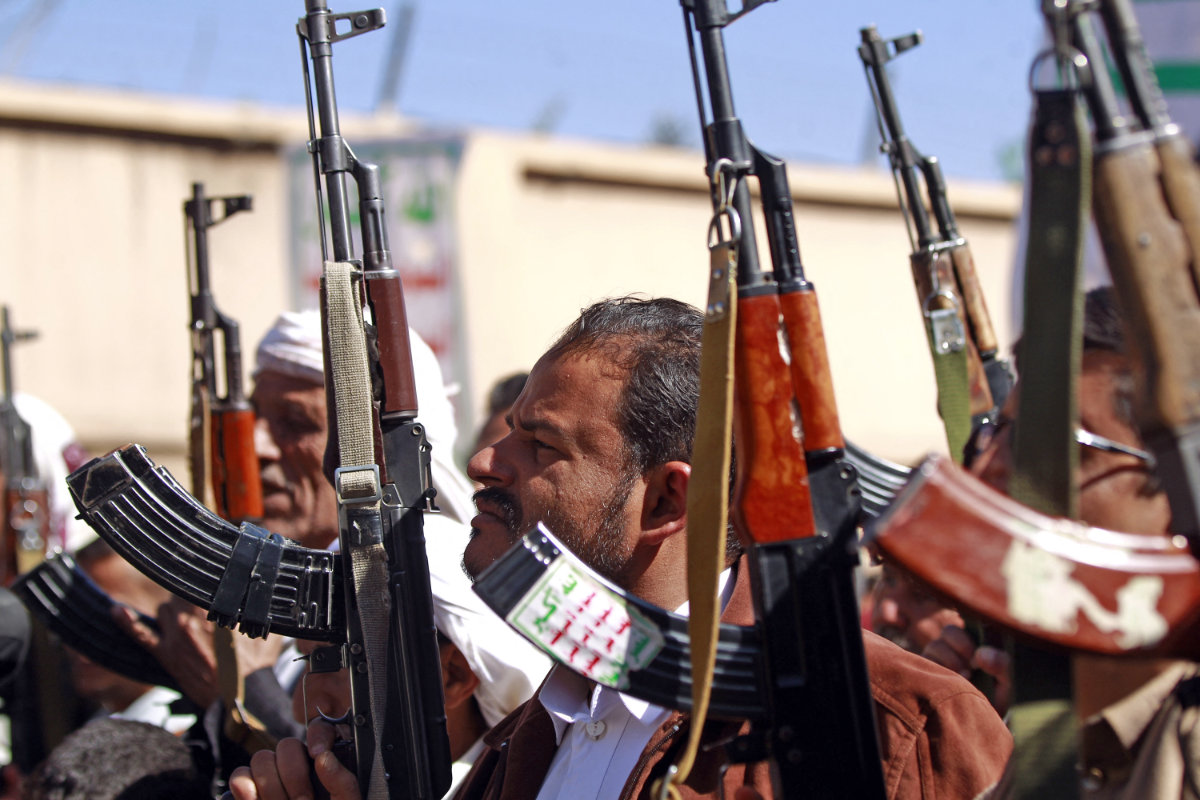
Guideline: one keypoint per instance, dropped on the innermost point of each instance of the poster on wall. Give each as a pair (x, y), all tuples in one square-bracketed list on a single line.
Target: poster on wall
[(419, 176)]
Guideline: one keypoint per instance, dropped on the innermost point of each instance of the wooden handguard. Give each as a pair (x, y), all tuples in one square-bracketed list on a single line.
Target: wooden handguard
[(1056, 581), (979, 321), (941, 261), (811, 376), (1149, 260), (237, 487), (763, 420), (1181, 187)]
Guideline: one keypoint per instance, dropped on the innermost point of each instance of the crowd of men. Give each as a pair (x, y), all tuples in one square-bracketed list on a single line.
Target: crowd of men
[(596, 443)]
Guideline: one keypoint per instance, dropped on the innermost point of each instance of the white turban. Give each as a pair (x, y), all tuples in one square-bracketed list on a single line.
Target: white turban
[(293, 347), (508, 667)]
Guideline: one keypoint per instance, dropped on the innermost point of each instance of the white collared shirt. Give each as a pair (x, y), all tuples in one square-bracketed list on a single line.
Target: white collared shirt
[(601, 733)]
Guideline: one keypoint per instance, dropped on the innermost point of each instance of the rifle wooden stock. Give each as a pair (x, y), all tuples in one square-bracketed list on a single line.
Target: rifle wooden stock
[(236, 483), (939, 264), (1060, 582), (771, 465)]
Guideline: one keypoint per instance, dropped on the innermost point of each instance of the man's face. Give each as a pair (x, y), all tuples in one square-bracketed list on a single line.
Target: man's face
[(905, 612), (1115, 490), (562, 463), (289, 438)]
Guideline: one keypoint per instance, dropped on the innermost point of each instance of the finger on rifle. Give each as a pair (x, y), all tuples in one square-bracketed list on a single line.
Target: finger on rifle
[(291, 764), (340, 781), (241, 785), (951, 651), (268, 785), (995, 662), (127, 620)]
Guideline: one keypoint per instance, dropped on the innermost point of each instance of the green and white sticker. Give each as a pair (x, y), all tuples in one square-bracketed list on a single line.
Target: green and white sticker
[(586, 625)]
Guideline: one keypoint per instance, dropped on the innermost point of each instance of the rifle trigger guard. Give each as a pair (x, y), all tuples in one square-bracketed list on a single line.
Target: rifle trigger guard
[(347, 495)]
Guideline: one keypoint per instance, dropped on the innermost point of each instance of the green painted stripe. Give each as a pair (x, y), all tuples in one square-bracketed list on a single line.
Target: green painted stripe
[(1174, 77)]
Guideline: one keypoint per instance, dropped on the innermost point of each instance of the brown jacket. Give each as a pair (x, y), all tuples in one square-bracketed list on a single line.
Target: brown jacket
[(939, 737)]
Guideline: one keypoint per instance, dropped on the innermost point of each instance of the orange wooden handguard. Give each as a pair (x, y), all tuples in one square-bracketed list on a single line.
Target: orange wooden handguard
[(771, 501), (1053, 580), (811, 376), (235, 478)]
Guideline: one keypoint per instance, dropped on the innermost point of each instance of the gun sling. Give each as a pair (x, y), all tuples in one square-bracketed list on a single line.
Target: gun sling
[(258, 581)]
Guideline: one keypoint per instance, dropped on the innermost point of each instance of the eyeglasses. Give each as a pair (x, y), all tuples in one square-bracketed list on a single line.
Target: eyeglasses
[(986, 433)]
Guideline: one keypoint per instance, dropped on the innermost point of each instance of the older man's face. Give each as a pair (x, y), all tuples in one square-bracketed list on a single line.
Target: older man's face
[(289, 438)]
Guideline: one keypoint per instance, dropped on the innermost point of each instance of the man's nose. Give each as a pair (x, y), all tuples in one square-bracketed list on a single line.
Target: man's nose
[(488, 467), (264, 443)]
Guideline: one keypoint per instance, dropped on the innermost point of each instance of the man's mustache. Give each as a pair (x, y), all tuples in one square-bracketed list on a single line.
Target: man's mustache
[(502, 503)]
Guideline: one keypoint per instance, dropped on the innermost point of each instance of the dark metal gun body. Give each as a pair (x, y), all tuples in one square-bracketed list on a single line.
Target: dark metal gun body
[(64, 599), (412, 730), (229, 419), (26, 498), (942, 261)]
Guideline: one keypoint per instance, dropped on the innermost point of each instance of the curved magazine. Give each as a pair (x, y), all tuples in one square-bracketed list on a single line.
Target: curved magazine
[(518, 580), (65, 600), (1057, 581), (245, 576), (879, 480)]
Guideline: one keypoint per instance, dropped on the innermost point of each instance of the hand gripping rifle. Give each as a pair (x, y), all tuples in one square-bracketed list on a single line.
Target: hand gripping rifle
[(952, 303), (229, 420), (1147, 209), (799, 675), (373, 597)]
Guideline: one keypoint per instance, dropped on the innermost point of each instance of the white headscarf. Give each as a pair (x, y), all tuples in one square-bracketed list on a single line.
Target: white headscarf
[(293, 347), (508, 667)]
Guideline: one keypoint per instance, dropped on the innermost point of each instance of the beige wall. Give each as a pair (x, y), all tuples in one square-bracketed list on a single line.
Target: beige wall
[(90, 218)]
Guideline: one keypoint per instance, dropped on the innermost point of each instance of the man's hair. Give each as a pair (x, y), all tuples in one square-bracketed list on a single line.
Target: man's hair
[(657, 343), (504, 392), (115, 759)]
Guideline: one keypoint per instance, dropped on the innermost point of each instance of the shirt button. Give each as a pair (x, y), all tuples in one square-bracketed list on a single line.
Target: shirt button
[(595, 729), (1094, 779)]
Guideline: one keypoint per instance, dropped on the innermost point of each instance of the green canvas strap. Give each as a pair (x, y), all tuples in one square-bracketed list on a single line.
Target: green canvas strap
[(1042, 717), (358, 487), (947, 345)]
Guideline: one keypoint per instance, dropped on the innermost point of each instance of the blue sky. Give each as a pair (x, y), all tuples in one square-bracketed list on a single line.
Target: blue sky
[(589, 70)]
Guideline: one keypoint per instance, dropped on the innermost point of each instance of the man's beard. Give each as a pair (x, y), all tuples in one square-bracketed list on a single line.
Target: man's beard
[(598, 541)]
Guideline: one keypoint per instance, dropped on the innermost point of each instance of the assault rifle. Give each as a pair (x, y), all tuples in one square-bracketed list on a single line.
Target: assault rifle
[(1147, 209), (372, 597), (228, 419), (948, 288), (799, 675), (26, 497)]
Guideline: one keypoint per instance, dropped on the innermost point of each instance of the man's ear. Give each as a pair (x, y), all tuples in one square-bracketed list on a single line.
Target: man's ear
[(458, 681), (664, 507)]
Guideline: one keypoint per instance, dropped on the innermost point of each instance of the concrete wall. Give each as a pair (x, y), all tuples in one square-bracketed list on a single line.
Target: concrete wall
[(91, 223)]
